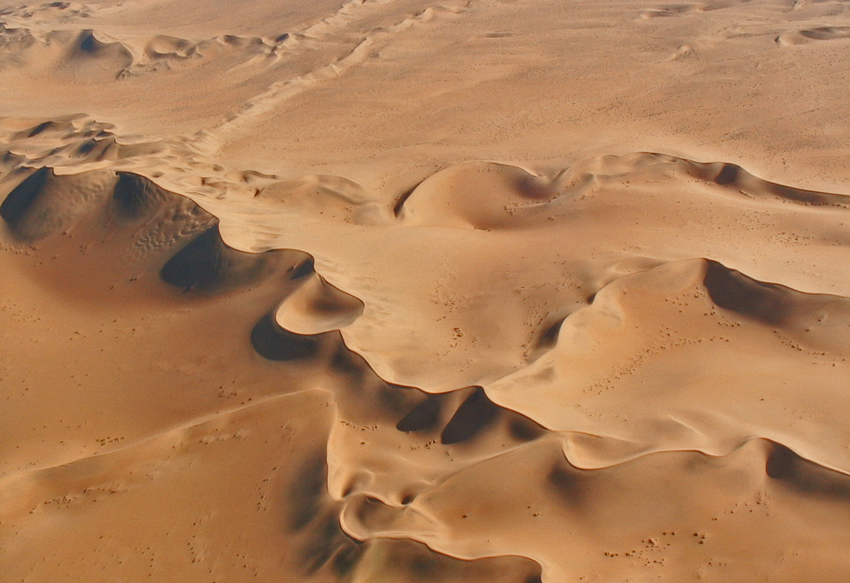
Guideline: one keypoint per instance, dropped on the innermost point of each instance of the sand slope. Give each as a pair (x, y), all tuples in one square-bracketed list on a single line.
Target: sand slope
[(386, 290)]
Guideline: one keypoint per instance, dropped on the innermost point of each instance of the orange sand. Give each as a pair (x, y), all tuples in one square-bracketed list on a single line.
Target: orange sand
[(388, 291)]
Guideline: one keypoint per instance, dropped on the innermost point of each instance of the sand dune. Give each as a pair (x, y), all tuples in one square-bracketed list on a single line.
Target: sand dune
[(820, 33), (387, 290)]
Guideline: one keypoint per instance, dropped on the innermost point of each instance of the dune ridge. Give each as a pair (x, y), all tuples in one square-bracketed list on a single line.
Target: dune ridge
[(362, 291), (572, 397)]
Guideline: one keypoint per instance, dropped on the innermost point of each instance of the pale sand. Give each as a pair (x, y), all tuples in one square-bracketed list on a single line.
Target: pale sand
[(497, 291)]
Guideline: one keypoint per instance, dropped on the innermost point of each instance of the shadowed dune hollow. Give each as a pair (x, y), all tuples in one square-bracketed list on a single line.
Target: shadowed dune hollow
[(645, 375), (389, 291)]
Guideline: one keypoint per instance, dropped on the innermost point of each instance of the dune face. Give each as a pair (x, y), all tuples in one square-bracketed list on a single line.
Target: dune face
[(384, 290)]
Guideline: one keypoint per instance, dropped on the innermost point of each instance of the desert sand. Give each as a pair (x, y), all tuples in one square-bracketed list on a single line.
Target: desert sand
[(509, 291)]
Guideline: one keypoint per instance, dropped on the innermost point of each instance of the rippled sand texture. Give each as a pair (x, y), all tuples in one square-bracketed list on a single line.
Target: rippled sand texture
[(388, 291)]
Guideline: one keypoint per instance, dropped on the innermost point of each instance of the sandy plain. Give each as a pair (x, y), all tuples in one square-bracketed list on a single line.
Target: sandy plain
[(389, 290)]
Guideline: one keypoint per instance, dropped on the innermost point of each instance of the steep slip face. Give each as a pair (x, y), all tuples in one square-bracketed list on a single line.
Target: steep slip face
[(502, 255), (631, 355), (558, 410), (629, 351), (693, 356), (152, 403), (352, 291)]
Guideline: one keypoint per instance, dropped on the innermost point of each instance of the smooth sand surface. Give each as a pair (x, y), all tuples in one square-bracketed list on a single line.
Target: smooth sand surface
[(389, 291)]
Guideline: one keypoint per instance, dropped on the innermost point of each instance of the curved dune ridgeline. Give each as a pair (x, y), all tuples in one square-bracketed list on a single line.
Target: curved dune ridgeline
[(628, 369), (390, 291)]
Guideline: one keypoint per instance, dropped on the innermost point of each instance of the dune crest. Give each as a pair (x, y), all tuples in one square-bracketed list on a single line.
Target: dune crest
[(714, 359), (647, 364), (366, 291)]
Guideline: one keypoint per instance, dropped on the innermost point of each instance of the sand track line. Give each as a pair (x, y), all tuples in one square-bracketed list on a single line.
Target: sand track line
[(246, 116), (339, 20), (68, 23)]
